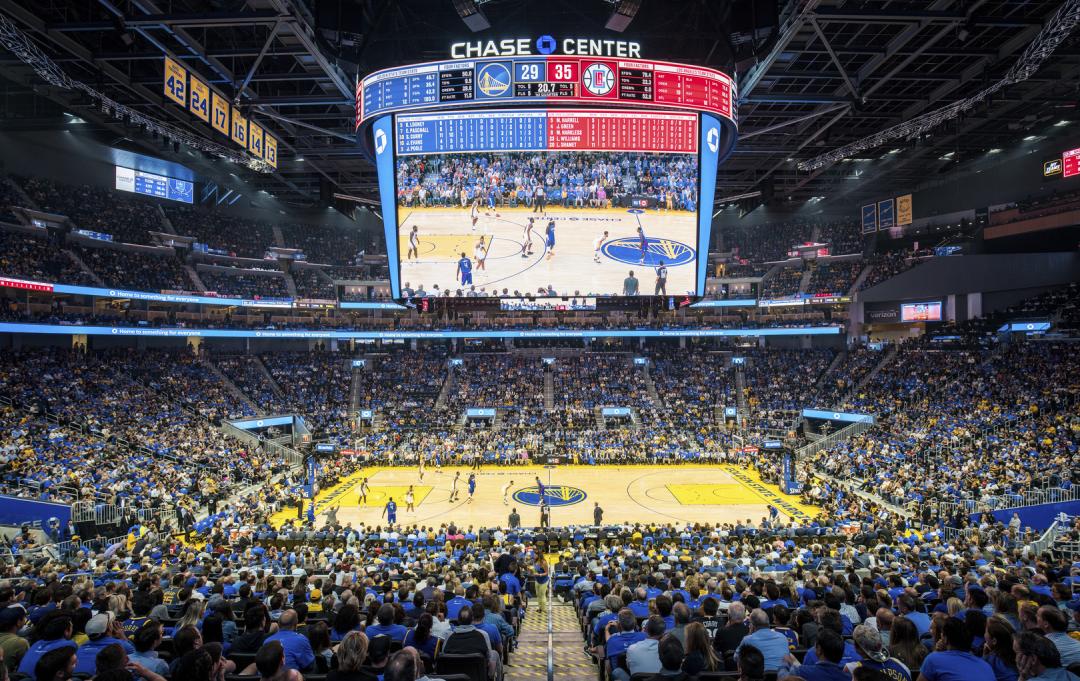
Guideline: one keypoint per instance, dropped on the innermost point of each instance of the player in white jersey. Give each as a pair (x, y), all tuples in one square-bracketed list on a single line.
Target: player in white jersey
[(420, 466), (526, 239), (475, 213), (506, 492), (409, 499), (363, 491), (454, 486), (598, 242), (414, 244), (480, 252)]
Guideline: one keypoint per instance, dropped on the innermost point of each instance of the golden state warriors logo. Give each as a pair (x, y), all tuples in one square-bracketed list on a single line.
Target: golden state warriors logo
[(555, 495), (627, 249), (493, 80)]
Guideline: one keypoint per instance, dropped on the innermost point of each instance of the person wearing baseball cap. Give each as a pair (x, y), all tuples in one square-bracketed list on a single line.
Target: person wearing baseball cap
[(868, 643), (104, 630)]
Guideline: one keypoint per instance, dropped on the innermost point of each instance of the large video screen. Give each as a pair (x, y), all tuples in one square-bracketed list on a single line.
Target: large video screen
[(921, 312), (149, 184), (547, 203)]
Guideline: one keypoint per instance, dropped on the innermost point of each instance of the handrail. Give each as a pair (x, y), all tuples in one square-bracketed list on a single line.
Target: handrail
[(550, 628), (821, 443)]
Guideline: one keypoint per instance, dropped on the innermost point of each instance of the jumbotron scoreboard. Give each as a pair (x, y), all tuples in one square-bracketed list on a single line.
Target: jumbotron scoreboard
[(536, 144)]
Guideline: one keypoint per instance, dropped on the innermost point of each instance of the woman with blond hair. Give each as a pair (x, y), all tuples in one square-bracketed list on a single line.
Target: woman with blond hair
[(193, 614), (351, 653), (699, 651)]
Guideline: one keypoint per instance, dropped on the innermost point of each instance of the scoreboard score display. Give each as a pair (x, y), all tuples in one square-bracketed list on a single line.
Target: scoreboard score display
[(538, 79), (547, 176)]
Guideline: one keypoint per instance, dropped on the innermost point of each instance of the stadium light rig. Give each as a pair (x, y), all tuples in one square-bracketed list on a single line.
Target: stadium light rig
[(625, 11), (1054, 32), (472, 15)]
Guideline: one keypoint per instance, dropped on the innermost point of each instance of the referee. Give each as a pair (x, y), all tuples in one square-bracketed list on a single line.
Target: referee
[(661, 280)]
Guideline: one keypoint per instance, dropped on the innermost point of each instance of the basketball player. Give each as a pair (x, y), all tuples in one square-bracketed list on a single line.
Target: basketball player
[(409, 498), (527, 243), (464, 270), (420, 466), (661, 280), (550, 235), (480, 253), (472, 486), (539, 488), (414, 244), (597, 243), (475, 213), (506, 492), (643, 245), (390, 511), (363, 492), (453, 486)]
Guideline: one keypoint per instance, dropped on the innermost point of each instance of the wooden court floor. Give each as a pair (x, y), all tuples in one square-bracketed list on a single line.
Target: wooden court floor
[(446, 233), (627, 494)]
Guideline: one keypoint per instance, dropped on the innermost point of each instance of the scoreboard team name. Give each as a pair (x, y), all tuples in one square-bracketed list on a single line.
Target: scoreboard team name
[(545, 45)]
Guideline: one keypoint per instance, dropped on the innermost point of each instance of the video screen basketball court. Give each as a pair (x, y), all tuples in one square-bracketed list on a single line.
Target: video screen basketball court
[(570, 203)]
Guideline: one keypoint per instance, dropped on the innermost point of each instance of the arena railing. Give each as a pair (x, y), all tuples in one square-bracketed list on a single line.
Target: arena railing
[(843, 434)]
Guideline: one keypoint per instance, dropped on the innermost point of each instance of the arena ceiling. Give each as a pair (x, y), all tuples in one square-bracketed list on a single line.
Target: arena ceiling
[(838, 70)]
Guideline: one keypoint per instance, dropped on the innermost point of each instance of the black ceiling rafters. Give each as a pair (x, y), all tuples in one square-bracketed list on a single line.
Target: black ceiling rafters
[(840, 70)]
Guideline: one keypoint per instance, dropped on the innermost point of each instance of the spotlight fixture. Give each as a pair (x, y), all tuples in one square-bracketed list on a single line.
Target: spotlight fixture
[(470, 13), (625, 11)]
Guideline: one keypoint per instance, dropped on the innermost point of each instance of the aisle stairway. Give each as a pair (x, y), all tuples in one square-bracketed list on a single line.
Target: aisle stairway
[(529, 661)]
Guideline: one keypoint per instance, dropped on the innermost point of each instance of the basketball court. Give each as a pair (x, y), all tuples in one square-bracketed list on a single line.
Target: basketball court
[(446, 233), (627, 494)]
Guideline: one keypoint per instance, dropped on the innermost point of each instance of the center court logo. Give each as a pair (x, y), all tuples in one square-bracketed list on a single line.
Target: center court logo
[(556, 495), (493, 80), (627, 249)]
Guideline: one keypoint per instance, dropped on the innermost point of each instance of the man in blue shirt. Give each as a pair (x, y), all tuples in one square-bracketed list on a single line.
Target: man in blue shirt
[(643, 657), (618, 641), (905, 603), (56, 630), (640, 605), (955, 663), (831, 620), (298, 653), (772, 644), (830, 648), (384, 625), (455, 604), (390, 511), (103, 630)]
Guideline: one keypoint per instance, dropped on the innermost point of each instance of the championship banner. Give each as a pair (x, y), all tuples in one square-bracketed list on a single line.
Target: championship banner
[(903, 210), (255, 139), (270, 150), (239, 129), (869, 218), (220, 121), (200, 99), (175, 82), (886, 215)]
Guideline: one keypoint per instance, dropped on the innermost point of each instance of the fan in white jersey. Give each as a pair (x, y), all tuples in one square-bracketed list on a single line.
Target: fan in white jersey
[(598, 242)]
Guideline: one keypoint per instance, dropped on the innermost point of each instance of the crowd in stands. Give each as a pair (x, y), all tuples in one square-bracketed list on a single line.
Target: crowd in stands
[(783, 284), (834, 277), (576, 180), (888, 265), (25, 257), (97, 209), (239, 237), (600, 380), (311, 283), (250, 286), (252, 381), (134, 271)]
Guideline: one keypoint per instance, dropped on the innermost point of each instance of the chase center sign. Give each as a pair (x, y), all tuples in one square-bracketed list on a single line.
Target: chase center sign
[(545, 45)]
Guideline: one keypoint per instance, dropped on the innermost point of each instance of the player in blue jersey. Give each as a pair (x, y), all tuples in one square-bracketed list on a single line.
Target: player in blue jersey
[(464, 270), (549, 233), (643, 245), (472, 486), (390, 511)]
